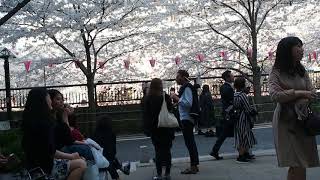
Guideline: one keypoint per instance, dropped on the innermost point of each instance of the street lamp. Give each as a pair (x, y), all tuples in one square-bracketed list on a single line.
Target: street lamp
[(6, 54)]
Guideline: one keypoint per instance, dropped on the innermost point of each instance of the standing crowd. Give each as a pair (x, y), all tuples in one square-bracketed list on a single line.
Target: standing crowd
[(53, 142), (194, 111), (289, 86)]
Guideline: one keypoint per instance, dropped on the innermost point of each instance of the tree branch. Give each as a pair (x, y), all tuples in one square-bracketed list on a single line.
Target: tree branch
[(234, 69), (62, 46), (11, 13), (225, 36), (266, 14), (236, 11), (115, 39), (118, 55)]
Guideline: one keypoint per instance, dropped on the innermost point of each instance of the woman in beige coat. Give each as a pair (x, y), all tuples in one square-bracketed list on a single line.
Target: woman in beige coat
[(291, 88)]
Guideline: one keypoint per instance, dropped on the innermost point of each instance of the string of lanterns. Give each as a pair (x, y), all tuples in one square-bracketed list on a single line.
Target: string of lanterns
[(200, 57)]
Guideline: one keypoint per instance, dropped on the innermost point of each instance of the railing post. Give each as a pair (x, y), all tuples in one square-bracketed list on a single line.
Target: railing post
[(7, 83)]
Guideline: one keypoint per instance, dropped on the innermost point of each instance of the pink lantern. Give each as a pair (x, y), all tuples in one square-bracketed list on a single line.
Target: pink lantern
[(76, 63), (223, 55), (200, 57), (27, 65), (152, 62), (101, 65), (309, 57), (177, 60), (270, 55), (249, 53), (314, 54), (126, 63)]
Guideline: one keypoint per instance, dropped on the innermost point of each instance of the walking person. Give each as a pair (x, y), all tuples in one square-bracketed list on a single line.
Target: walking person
[(244, 137), (161, 137), (189, 112), (290, 86), (207, 112), (226, 128)]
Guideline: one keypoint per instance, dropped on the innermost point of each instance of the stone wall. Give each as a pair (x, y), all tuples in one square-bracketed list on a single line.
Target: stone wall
[(127, 119)]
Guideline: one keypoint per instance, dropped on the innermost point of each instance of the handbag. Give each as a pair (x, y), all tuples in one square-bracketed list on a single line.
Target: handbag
[(165, 118), (312, 123)]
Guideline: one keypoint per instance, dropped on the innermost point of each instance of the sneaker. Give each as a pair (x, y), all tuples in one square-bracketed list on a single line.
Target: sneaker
[(192, 170), (216, 155), (157, 178), (250, 156), (201, 133), (209, 134), (126, 169), (242, 159)]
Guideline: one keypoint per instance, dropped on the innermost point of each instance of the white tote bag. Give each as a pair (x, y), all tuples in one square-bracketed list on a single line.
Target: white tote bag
[(166, 119)]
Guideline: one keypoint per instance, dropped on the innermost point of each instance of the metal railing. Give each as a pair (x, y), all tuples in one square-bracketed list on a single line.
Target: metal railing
[(122, 93)]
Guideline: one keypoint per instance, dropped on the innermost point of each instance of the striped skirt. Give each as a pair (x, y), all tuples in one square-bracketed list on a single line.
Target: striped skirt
[(243, 135)]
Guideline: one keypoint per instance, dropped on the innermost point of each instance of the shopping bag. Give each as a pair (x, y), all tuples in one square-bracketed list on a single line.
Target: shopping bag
[(165, 118)]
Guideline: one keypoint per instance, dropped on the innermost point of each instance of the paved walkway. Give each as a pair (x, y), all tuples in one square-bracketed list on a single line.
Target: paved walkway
[(263, 168)]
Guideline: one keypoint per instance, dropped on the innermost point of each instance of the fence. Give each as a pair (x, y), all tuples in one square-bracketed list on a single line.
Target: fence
[(121, 93)]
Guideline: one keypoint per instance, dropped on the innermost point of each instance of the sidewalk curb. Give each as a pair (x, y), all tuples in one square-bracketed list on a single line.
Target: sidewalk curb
[(257, 153)]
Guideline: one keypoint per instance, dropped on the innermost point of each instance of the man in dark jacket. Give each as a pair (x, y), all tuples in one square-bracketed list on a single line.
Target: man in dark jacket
[(189, 112), (227, 93)]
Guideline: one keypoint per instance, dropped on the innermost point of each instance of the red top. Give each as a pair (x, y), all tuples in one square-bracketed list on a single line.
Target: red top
[(76, 135)]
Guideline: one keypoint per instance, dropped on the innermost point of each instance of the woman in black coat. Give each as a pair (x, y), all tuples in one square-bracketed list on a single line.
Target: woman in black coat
[(161, 137), (206, 111)]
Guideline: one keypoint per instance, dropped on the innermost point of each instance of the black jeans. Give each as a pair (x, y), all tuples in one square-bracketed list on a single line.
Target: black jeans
[(187, 131), (227, 131), (112, 169), (222, 137), (162, 142)]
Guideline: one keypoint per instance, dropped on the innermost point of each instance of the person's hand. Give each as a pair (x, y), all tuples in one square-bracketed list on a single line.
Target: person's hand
[(3, 160), (69, 109), (174, 97), (65, 116), (306, 94), (75, 156)]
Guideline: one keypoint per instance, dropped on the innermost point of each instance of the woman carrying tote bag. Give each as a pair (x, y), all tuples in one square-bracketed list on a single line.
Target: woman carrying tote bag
[(161, 137)]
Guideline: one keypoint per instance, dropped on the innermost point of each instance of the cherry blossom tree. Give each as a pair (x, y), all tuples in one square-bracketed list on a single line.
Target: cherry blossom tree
[(88, 33)]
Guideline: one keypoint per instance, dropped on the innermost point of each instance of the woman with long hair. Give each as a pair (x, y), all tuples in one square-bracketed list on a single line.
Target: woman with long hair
[(243, 135), (206, 111), (161, 137), (38, 140), (291, 88), (63, 138)]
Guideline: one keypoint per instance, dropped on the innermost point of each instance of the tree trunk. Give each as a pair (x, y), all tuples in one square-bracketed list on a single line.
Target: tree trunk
[(256, 71), (91, 117), (257, 84)]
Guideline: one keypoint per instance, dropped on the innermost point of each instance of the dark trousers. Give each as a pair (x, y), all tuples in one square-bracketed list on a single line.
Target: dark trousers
[(221, 138), (162, 142), (112, 169), (227, 130), (187, 131)]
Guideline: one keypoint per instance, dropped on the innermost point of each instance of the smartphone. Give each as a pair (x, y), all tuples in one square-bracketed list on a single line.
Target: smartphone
[(37, 174)]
